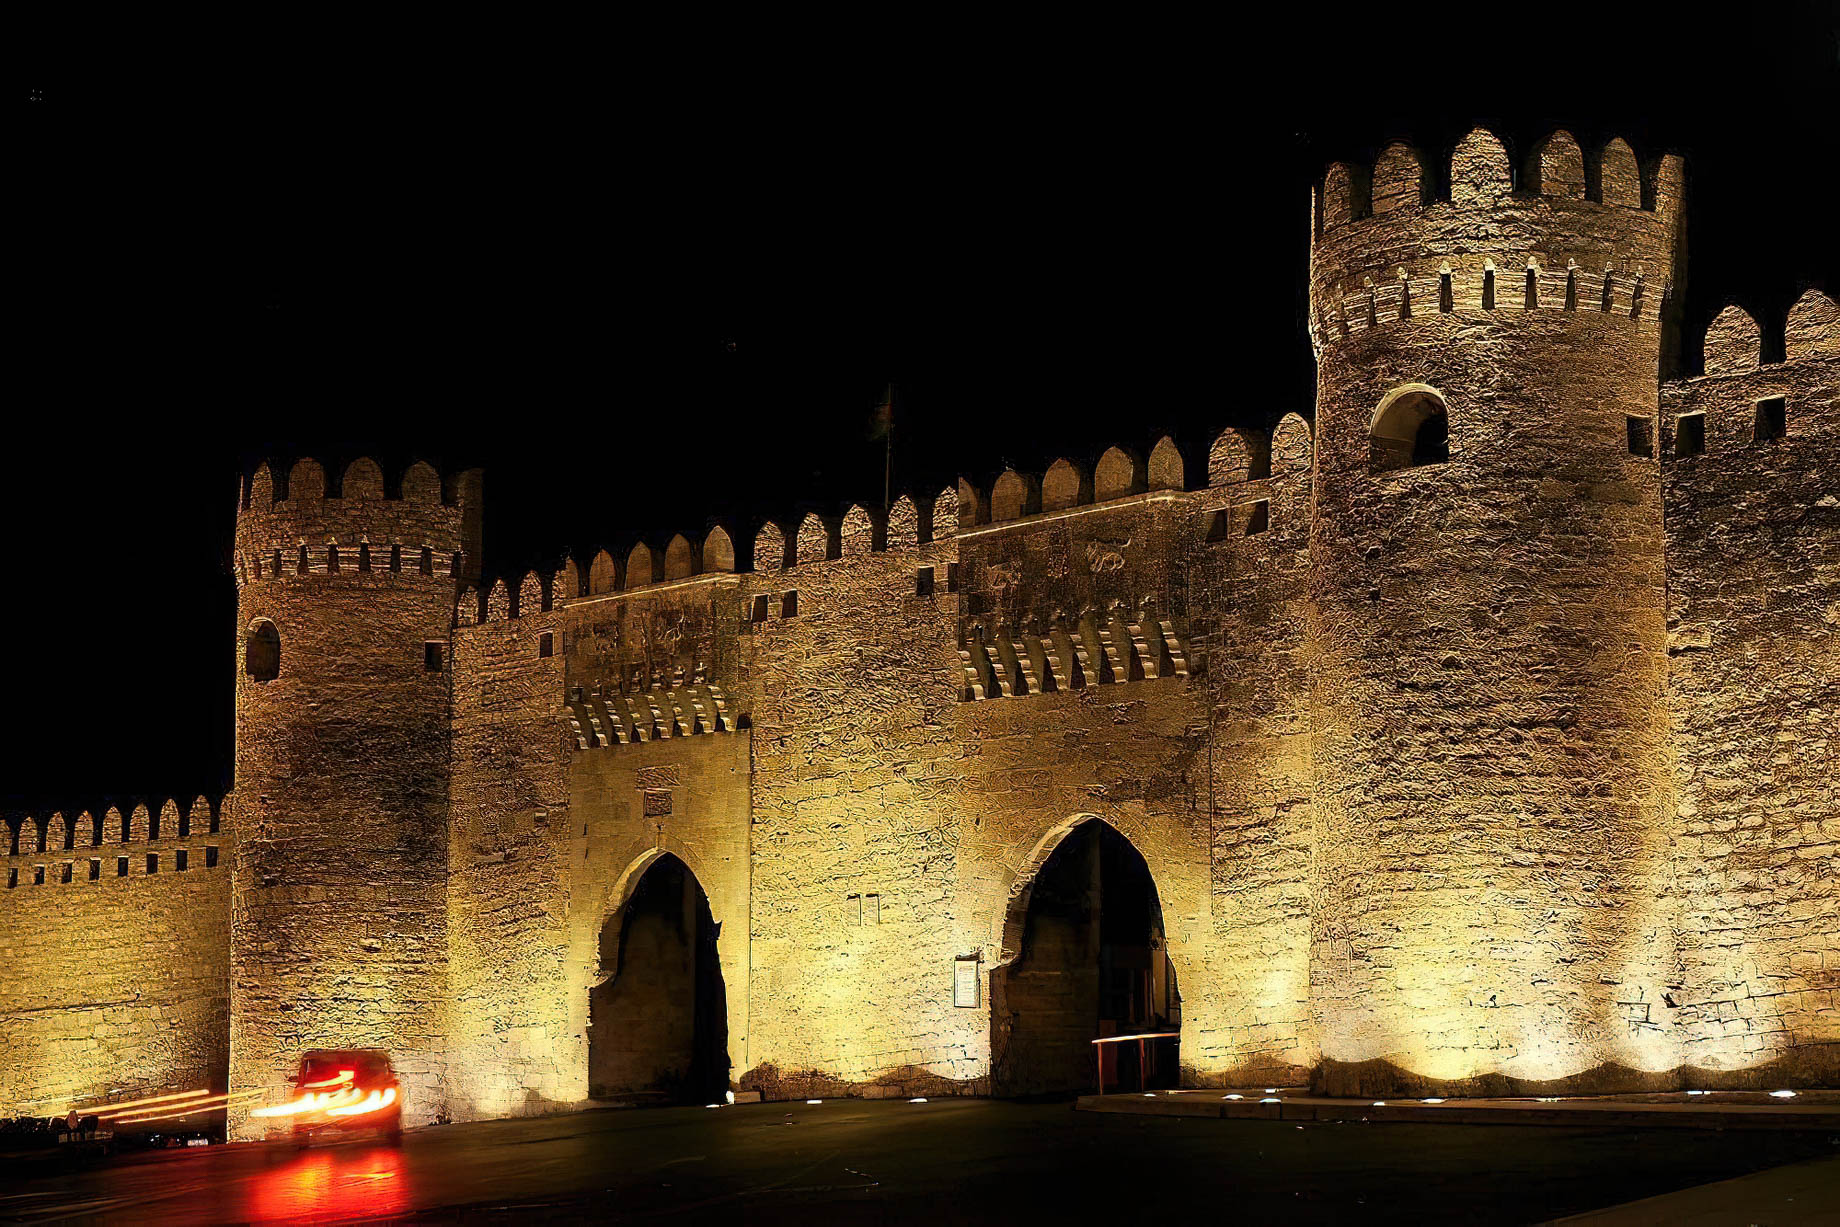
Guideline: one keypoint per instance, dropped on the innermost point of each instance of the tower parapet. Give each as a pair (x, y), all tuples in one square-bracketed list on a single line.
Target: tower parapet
[(296, 526), (1387, 254)]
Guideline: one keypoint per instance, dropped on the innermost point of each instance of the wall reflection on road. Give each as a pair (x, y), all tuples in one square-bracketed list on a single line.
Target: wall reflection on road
[(338, 1182)]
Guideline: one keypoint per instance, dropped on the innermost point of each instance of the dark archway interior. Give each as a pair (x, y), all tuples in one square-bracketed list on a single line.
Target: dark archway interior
[(1431, 442), (1092, 963), (658, 1028)]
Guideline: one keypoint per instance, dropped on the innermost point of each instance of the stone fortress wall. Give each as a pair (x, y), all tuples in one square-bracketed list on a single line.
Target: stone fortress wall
[(1508, 770), (119, 927)]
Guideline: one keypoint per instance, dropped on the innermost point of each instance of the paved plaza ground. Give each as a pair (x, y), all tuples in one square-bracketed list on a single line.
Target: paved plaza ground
[(949, 1161)]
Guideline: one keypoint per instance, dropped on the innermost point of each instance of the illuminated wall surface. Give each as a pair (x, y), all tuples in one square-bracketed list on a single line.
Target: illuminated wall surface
[(1485, 757)]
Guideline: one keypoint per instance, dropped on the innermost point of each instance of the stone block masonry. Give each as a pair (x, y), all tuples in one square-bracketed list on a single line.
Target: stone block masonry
[(1476, 736), (125, 988)]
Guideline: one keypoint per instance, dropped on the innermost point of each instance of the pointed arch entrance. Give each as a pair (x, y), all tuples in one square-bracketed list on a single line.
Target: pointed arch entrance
[(658, 1019), (1085, 957)]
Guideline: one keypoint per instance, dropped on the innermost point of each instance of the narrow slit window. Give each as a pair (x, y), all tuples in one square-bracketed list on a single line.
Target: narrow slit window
[(153, 862), (1446, 299), (1609, 292), (758, 613), (951, 577), (275, 567), (1259, 519), (923, 582), (1571, 289), (789, 605), (433, 653), (95, 868), (1635, 299), (364, 556), (1488, 289), (65, 874), (395, 558), (210, 856), (1533, 288), (546, 644), (1217, 524), (1641, 436), (181, 860), (121, 866), (332, 560), (427, 561), (38, 875), (1690, 435), (12, 879), (1772, 419), (300, 564)]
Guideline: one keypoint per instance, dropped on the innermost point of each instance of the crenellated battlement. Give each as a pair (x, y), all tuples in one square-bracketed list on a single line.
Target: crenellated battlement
[(1721, 418), (1556, 175), (171, 835), (1239, 455), (1596, 237), (297, 526)]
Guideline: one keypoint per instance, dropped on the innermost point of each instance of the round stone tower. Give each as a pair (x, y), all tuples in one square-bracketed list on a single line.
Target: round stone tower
[(338, 915), (1491, 746)]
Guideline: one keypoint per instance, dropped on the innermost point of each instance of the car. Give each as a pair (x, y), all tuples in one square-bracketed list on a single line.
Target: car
[(343, 1092)]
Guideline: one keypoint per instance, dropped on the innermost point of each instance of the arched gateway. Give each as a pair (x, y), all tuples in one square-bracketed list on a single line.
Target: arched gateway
[(658, 1016), (1085, 957)]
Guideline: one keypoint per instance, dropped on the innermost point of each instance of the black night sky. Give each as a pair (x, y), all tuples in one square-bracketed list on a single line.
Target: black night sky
[(656, 285)]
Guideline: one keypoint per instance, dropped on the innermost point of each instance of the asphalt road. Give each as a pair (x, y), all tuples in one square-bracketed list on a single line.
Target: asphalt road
[(948, 1161)]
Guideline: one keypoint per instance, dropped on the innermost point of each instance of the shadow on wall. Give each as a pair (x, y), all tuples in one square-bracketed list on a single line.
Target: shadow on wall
[(1812, 1066), (901, 1082)]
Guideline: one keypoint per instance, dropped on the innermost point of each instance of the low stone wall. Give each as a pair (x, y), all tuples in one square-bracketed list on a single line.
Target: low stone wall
[(116, 984)]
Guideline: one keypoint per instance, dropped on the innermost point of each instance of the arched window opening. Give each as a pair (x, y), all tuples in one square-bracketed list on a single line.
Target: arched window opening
[(1411, 428), (1092, 962), (658, 1021), (262, 651)]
